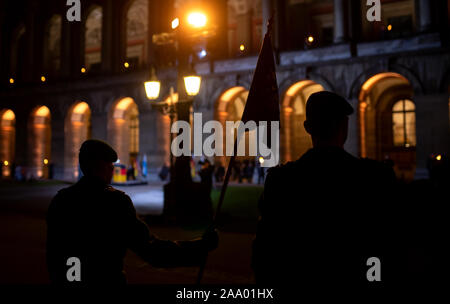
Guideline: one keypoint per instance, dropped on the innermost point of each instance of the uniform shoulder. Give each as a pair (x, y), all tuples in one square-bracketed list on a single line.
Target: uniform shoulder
[(377, 169), (282, 168), (110, 190)]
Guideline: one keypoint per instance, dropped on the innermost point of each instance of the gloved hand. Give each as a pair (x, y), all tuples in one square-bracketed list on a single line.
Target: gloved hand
[(210, 238)]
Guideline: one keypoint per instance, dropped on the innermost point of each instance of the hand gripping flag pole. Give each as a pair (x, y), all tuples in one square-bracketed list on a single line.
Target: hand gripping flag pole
[(262, 105)]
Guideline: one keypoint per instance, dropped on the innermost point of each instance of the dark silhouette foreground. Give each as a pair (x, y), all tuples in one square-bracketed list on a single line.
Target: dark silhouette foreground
[(97, 223), (323, 215)]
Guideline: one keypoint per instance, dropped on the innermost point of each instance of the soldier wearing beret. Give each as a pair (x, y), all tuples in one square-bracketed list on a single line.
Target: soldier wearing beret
[(96, 224), (322, 216)]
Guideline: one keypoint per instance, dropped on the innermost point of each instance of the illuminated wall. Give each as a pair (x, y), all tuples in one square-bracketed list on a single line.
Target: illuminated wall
[(123, 130), (77, 129), (295, 141), (7, 141), (39, 131)]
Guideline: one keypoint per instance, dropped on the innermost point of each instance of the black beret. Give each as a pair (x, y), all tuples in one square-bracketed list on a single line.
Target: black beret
[(327, 105), (94, 149)]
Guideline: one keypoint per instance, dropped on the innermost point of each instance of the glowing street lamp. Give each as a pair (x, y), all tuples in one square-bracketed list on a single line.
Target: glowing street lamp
[(153, 86), (192, 84), (197, 19), (175, 23)]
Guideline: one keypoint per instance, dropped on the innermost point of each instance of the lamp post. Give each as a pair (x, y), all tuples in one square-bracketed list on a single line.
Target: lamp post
[(188, 83)]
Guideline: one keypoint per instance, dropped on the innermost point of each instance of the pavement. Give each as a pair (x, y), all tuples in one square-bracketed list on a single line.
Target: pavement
[(23, 233)]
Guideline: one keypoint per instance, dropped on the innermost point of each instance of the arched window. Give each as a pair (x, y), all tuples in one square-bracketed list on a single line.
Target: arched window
[(93, 39), (123, 130), (40, 142), (77, 129), (295, 141), (7, 140), (404, 123), (137, 33), (52, 45)]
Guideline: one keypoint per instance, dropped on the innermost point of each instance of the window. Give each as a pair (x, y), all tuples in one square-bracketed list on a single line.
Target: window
[(93, 39), (404, 123), (52, 52), (137, 33)]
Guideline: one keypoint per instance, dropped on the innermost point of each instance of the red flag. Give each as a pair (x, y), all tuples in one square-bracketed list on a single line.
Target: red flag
[(263, 102)]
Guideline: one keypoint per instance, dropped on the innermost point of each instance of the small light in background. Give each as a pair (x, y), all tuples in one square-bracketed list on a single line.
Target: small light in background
[(43, 79), (202, 53), (261, 160), (6, 163), (310, 39), (126, 65), (11, 80), (242, 47), (83, 70), (439, 157), (45, 161), (175, 23), (389, 27)]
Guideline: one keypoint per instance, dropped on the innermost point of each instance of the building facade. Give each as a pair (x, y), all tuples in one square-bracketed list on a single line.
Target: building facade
[(63, 82)]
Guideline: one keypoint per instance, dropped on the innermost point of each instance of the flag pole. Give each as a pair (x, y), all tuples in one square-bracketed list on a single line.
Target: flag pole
[(219, 205), (227, 175)]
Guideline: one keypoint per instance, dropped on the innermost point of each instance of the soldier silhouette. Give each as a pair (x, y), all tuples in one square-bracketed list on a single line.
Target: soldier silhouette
[(96, 223), (323, 215)]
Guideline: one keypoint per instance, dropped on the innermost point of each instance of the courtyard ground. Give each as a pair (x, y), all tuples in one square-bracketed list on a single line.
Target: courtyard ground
[(23, 230)]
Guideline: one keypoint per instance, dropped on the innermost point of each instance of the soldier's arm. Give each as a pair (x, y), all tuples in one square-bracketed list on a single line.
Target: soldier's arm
[(158, 252)]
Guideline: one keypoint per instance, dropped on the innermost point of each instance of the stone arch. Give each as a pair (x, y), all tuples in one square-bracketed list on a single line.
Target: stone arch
[(377, 122), (229, 107), (77, 129), (123, 129), (39, 141), (408, 74), (7, 141), (294, 139)]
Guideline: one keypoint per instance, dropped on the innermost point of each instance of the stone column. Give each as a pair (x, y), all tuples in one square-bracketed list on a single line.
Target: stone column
[(57, 145), (22, 134), (340, 25), (99, 121), (424, 15)]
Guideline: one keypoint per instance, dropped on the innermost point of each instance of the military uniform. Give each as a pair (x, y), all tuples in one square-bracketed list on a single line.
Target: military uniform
[(97, 223), (321, 217)]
